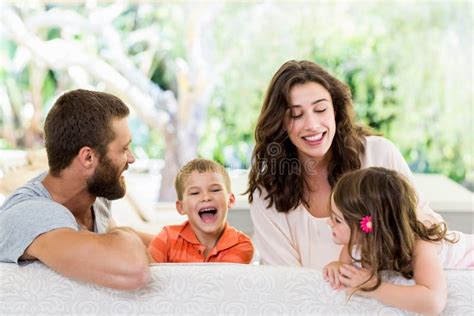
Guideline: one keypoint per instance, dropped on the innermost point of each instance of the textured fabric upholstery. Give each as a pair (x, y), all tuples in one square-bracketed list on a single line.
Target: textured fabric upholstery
[(203, 289)]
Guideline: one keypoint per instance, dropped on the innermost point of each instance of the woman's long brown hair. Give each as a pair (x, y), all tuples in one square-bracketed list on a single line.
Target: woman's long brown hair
[(275, 164), (391, 201)]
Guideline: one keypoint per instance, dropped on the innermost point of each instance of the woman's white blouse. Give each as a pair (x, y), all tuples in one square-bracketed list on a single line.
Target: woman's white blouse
[(297, 238)]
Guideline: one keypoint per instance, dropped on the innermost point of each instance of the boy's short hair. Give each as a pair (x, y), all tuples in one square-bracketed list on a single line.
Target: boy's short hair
[(201, 166)]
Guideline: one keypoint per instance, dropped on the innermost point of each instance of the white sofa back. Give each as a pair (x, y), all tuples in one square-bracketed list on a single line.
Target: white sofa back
[(202, 289)]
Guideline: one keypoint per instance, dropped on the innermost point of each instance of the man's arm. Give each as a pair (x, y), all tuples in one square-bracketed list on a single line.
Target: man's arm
[(145, 237), (117, 259)]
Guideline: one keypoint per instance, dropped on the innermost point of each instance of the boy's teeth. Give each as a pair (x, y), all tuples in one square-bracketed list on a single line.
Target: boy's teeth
[(314, 137), (208, 215), (209, 209)]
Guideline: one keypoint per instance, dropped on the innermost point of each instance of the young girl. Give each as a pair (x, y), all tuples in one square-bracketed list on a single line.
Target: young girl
[(374, 218)]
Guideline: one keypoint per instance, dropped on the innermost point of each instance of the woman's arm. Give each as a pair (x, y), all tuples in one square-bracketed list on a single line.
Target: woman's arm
[(383, 153), (272, 235), (424, 212), (427, 296)]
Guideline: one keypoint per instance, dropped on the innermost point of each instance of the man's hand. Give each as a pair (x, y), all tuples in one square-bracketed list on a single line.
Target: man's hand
[(122, 228), (331, 274), (117, 259), (145, 237)]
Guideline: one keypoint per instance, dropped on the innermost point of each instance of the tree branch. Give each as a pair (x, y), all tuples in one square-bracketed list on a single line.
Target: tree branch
[(61, 54)]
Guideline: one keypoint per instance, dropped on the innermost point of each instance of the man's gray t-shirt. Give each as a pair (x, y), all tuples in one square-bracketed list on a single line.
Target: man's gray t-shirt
[(30, 212)]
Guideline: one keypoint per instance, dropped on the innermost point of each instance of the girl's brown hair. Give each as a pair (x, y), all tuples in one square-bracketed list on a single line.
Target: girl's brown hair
[(275, 164), (391, 201)]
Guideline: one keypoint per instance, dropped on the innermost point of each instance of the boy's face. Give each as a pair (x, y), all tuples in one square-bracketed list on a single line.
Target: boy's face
[(205, 202)]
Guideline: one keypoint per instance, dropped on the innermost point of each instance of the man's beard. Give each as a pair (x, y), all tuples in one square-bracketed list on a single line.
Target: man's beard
[(106, 181)]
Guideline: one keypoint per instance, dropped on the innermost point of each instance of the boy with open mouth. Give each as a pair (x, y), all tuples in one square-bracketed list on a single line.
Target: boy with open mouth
[(204, 196)]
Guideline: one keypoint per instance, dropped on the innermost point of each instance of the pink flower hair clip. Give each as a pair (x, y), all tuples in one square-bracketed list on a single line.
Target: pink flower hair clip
[(366, 224)]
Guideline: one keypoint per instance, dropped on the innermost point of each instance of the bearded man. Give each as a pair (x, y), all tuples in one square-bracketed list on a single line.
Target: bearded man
[(62, 217)]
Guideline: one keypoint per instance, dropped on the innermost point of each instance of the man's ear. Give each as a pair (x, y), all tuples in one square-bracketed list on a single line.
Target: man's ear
[(179, 207), (87, 157), (231, 200)]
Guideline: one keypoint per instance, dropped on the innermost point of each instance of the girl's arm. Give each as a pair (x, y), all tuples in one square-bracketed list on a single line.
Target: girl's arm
[(345, 256), (331, 270), (427, 296)]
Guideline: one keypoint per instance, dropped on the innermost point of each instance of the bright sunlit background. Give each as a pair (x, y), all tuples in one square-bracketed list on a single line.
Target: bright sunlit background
[(194, 73)]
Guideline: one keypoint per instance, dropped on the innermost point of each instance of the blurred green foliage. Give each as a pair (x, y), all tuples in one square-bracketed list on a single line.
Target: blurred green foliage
[(409, 66)]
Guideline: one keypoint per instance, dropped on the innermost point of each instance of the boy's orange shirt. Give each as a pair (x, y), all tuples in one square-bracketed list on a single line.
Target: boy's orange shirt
[(178, 243)]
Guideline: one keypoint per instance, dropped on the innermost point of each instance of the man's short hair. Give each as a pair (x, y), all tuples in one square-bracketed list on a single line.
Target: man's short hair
[(201, 166), (80, 118)]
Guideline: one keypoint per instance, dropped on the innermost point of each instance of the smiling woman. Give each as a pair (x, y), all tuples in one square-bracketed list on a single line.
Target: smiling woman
[(306, 139), (311, 124)]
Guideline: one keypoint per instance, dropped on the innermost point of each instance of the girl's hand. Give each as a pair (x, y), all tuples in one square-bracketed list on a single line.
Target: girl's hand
[(331, 274), (351, 277)]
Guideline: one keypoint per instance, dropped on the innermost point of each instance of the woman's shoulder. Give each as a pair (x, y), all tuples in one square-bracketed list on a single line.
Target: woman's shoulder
[(377, 142), (381, 152), (258, 195)]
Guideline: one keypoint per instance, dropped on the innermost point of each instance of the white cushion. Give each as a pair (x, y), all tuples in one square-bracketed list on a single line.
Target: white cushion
[(203, 289)]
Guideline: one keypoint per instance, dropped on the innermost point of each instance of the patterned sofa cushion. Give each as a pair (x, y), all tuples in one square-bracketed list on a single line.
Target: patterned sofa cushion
[(203, 289)]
